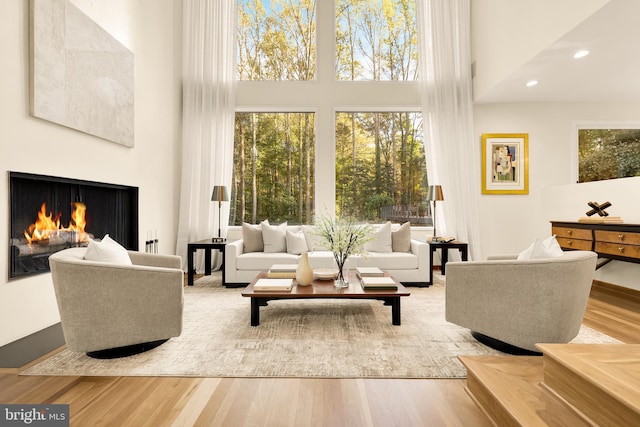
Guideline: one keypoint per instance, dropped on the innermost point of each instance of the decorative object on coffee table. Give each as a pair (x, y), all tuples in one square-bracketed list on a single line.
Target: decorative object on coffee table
[(219, 195), (343, 237), (304, 272)]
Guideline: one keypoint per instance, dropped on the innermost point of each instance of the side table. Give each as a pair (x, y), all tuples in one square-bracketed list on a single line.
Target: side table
[(208, 246), (444, 247)]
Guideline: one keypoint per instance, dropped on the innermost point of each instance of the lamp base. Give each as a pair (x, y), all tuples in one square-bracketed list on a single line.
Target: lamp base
[(218, 239)]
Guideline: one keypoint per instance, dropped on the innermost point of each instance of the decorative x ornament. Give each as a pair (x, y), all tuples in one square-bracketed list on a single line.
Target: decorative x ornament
[(599, 209)]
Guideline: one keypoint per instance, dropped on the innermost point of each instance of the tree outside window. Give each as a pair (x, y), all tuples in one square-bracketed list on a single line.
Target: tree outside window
[(273, 175), (380, 167), (376, 40), (276, 39), (608, 154)]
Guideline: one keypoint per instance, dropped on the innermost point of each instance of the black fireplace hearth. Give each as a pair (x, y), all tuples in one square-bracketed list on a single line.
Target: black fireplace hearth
[(48, 214)]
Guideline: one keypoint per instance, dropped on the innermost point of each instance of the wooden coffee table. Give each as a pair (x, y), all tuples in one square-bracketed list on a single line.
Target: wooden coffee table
[(325, 289)]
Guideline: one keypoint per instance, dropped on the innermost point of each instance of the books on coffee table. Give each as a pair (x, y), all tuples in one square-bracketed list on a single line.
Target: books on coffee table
[(369, 271), (378, 282), (266, 284), (282, 271)]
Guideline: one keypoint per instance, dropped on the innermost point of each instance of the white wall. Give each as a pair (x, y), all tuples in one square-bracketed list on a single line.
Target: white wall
[(151, 29), (508, 33), (509, 223)]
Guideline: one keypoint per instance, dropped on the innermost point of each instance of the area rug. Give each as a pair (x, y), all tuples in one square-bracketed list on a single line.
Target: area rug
[(311, 338)]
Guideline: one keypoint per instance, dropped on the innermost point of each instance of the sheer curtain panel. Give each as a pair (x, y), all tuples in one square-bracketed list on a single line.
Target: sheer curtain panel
[(208, 109), (453, 156)]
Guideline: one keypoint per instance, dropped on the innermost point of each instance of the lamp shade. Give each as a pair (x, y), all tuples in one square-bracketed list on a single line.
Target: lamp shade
[(219, 194), (435, 193)]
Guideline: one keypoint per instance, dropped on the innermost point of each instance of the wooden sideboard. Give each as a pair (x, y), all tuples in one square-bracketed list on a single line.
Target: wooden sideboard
[(611, 241)]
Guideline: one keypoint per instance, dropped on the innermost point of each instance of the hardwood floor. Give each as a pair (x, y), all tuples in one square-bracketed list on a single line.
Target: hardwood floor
[(168, 401)]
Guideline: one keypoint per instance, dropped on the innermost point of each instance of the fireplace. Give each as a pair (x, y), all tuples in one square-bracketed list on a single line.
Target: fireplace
[(48, 214)]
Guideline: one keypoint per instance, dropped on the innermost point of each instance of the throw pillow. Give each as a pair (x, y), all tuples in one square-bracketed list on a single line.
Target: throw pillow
[(296, 242), (274, 237), (381, 241), (314, 242), (107, 250), (401, 238), (252, 237), (547, 248)]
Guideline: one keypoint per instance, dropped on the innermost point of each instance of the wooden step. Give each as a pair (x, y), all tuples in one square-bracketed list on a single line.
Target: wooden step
[(509, 390), (600, 380)]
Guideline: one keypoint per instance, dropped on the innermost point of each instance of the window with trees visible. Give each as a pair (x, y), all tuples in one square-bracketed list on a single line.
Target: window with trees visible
[(352, 108), (376, 40), (608, 154), (380, 166), (276, 39), (273, 168)]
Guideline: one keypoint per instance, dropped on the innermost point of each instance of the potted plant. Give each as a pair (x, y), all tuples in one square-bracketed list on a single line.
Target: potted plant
[(343, 237)]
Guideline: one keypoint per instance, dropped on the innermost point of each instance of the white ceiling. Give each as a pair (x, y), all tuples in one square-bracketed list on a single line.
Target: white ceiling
[(610, 73)]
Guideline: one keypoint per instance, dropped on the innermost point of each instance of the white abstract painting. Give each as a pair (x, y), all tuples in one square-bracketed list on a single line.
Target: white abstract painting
[(81, 77)]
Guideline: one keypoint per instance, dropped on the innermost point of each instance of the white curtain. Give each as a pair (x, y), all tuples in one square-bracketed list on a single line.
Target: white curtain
[(453, 155), (208, 106)]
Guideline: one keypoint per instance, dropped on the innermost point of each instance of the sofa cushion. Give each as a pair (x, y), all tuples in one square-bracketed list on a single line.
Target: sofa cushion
[(381, 241), (314, 242), (274, 237), (258, 261), (324, 259), (107, 250), (296, 242), (387, 261), (401, 238), (252, 237)]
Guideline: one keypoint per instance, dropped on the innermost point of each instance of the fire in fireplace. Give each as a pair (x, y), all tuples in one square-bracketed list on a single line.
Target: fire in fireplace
[(47, 229), (48, 214)]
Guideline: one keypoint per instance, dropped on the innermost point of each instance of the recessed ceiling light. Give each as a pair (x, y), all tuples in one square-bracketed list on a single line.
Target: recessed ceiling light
[(532, 83), (580, 54)]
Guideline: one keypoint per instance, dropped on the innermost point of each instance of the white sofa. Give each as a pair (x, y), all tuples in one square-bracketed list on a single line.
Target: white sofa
[(242, 263)]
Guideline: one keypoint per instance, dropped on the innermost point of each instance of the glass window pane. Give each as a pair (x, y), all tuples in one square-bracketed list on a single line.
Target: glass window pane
[(273, 176), (381, 172), (276, 40), (608, 154), (376, 40)]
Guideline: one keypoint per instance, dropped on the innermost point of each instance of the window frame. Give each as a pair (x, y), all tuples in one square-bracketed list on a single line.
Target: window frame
[(325, 96)]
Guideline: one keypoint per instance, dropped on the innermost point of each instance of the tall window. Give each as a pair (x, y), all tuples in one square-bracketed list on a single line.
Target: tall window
[(380, 166), (276, 39), (327, 114), (273, 168), (376, 40)]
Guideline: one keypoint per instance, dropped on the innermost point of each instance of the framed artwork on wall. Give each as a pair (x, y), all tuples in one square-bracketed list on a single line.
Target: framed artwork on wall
[(505, 163)]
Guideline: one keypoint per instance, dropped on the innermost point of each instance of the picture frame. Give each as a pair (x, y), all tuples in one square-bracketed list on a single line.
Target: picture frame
[(505, 163)]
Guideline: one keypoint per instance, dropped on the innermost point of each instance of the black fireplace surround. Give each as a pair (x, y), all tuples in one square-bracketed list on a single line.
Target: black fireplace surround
[(110, 209)]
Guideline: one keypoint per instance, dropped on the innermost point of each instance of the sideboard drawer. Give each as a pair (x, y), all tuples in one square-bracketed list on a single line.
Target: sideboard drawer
[(572, 233), (618, 237), (629, 251), (581, 245)]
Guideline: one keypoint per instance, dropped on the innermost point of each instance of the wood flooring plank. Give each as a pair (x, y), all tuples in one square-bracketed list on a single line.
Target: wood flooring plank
[(193, 402)]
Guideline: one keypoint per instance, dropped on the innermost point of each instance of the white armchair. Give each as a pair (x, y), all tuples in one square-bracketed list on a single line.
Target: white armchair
[(521, 302), (111, 306)]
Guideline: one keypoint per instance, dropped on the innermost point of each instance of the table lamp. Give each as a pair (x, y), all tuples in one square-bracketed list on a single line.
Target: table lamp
[(219, 195), (434, 193)]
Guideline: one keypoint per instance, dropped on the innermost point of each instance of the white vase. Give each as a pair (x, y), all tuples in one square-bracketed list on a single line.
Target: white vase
[(304, 272)]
